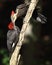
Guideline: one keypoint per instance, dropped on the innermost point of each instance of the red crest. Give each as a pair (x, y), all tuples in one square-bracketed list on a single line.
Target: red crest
[(11, 26)]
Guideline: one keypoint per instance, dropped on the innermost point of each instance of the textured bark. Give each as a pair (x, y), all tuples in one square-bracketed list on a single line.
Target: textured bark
[(13, 60)]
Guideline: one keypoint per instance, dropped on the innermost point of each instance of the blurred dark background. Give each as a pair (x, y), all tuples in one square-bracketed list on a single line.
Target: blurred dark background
[(6, 6)]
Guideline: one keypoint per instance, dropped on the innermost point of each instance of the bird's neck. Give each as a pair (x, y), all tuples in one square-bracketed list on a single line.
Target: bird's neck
[(15, 27)]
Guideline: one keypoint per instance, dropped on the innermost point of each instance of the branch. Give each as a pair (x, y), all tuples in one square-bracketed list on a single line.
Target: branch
[(13, 60)]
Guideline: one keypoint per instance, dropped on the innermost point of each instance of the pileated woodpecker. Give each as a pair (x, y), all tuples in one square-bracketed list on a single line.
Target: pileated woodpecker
[(22, 9), (13, 33)]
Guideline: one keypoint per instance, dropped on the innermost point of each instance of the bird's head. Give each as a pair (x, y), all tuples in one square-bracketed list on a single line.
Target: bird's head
[(11, 26)]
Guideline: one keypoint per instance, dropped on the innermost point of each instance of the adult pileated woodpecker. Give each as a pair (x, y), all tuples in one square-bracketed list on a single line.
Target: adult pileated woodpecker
[(13, 33)]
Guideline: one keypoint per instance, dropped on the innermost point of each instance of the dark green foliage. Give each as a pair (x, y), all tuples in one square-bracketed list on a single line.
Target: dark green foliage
[(4, 59)]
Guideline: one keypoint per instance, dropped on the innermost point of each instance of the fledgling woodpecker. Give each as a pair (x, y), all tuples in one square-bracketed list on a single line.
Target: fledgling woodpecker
[(22, 9)]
